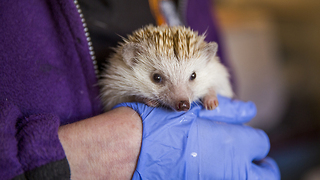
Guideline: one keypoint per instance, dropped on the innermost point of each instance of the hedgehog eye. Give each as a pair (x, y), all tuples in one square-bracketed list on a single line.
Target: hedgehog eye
[(157, 78), (193, 76)]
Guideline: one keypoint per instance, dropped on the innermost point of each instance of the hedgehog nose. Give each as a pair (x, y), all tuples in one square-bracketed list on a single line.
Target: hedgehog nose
[(183, 106)]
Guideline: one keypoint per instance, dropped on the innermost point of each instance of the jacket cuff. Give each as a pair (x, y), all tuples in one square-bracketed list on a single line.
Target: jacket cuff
[(9, 161), (38, 141), (30, 147), (54, 170)]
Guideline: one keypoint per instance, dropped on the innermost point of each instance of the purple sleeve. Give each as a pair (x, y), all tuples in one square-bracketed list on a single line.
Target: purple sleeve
[(28, 143), (38, 141), (9, 162)]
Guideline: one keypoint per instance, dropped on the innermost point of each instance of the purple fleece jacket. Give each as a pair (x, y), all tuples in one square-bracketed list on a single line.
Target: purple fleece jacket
[(46, 79)]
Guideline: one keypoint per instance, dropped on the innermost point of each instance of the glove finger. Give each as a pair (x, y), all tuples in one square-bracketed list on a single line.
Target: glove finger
[(136, 176), (265, 169), (230, 111), (256, 142), (250, 143), (140, 108)]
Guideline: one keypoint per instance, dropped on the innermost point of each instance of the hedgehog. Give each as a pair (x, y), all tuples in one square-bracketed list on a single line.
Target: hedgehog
[(164, 66)]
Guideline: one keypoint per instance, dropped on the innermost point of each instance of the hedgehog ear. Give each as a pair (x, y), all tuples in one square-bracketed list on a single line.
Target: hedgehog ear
[(130, 52), (211, 49)]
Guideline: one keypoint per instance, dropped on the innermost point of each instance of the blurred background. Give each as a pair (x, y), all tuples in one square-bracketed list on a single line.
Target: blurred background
[(274, 49)]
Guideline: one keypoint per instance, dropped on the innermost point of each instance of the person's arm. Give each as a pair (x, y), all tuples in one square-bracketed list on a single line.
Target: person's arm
[(106, 146)]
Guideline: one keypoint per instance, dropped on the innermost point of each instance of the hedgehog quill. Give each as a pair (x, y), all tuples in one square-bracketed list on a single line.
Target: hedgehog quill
[(165, 66)]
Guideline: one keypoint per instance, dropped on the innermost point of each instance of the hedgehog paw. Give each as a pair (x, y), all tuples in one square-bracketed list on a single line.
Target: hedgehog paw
[(210, 102)]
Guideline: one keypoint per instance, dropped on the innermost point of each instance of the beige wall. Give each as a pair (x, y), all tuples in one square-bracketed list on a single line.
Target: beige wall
[(283, 36)]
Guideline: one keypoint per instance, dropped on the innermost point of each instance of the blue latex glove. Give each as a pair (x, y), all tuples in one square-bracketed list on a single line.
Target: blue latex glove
[(201, 144)]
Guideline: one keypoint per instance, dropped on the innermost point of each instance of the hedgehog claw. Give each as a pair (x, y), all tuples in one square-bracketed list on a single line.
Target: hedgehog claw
[(210, 102)]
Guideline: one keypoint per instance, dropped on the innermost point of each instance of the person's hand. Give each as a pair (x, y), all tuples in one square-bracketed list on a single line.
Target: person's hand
[(201, 144), (103, 147)]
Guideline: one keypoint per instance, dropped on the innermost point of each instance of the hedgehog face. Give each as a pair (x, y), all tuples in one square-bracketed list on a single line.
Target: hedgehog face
[(170, 82), (170, 65)]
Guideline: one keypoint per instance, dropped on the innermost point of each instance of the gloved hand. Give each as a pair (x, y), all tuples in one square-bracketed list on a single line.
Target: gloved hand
[(201, 144)]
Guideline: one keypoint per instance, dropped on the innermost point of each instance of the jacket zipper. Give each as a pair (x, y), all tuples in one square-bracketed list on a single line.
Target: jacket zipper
[(85, 28)]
